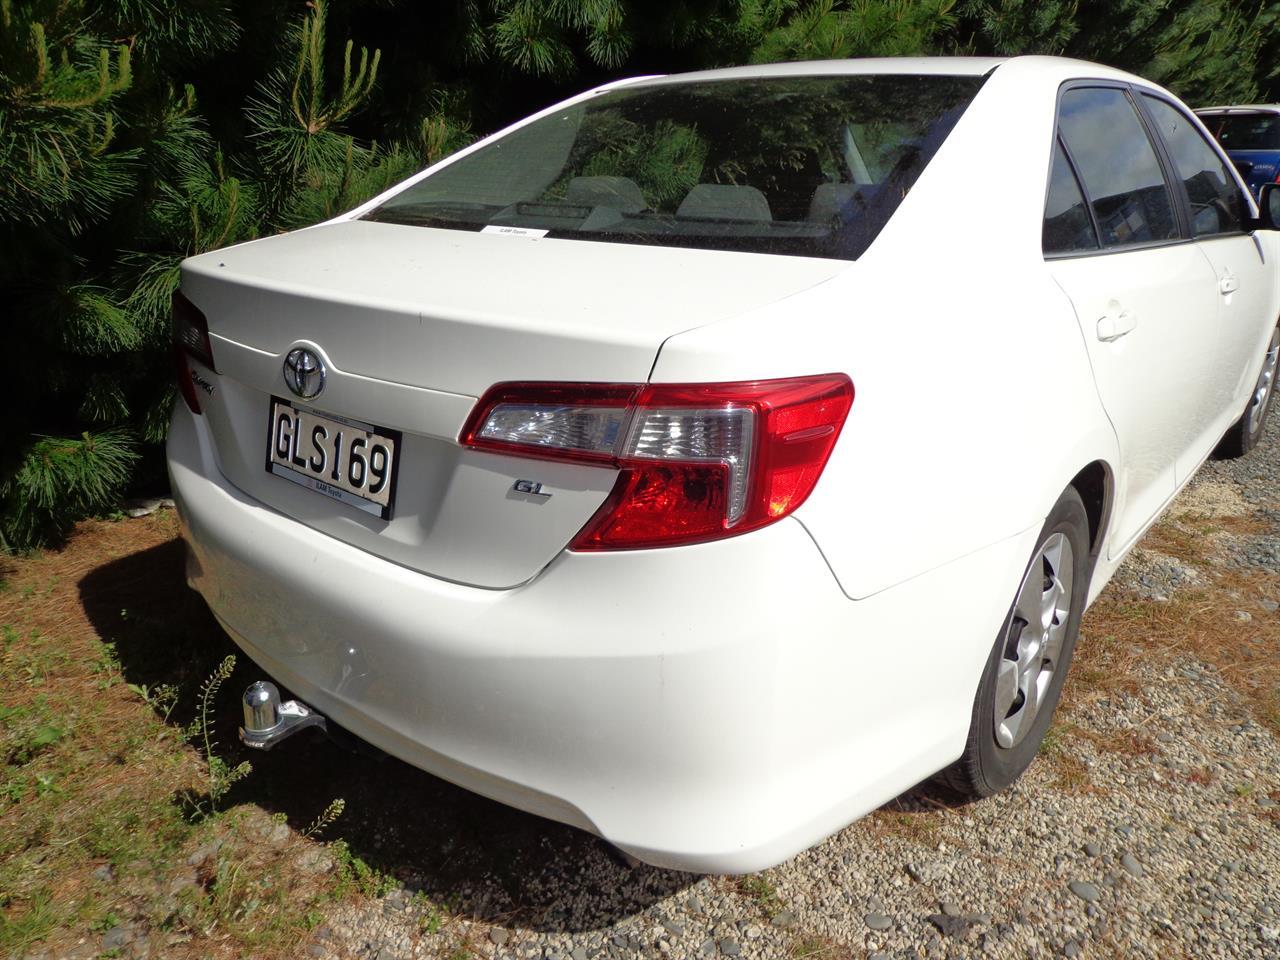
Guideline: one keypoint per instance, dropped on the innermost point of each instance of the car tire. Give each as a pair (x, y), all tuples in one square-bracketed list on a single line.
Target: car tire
[(1247, 431), (1029, 660)]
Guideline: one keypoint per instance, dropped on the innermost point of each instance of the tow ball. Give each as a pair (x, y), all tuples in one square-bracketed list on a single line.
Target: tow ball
[(267, 721)]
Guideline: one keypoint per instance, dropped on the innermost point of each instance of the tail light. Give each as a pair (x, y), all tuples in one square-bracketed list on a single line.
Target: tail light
[(698, 461), (190, 342)]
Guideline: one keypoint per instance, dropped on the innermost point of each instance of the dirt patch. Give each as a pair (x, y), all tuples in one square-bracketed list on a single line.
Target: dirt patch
[(1211, 500)]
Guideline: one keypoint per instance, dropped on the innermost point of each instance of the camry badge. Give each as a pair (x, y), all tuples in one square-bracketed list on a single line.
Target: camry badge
[(304, 372)]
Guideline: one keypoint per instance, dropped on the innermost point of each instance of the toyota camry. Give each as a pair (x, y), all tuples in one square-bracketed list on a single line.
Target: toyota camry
[(707, 459)]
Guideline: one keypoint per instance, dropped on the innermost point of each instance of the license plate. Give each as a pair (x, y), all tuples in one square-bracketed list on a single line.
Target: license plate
[(343, 459)]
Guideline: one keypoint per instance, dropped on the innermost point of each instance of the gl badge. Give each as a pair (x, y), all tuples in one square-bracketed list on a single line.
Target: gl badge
[(530, 488), (304, 373)]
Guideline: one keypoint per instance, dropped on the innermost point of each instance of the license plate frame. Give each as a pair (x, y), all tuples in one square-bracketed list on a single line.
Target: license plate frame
[(298, 463)]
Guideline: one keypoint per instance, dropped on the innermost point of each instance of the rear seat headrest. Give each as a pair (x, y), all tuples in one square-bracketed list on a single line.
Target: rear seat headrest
[(617, 193), (830, 199), (725, 201)]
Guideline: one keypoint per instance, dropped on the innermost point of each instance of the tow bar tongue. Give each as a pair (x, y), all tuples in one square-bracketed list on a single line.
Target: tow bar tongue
[(267, 721)]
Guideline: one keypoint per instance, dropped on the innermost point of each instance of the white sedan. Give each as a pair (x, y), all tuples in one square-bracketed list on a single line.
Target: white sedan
[(707, 459)]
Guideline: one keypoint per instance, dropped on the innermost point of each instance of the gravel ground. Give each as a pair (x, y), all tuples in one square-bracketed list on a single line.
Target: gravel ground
[(1167, 848)]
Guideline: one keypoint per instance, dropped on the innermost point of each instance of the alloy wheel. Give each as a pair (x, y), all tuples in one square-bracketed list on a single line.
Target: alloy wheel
[(1037, 629), (1266, 382)]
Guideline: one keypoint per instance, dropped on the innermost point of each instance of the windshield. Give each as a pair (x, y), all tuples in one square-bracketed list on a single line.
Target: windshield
[(1249, 131), (809, 166)]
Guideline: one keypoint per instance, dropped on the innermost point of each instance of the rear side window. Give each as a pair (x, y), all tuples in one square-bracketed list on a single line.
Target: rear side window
[(1067, 227), (1118, 165), (1215, 199)]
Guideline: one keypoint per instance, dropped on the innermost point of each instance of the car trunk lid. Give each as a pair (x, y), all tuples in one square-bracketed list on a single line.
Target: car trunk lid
[(413, 324)]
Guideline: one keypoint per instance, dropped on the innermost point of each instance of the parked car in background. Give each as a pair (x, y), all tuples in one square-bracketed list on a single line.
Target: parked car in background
[(1251, 137), (707, 459)]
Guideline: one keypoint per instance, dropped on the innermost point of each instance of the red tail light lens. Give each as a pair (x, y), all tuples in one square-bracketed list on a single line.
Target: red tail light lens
[(190, 341), (698, 461)]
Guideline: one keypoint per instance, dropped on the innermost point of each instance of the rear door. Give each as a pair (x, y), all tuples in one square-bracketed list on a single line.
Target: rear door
[(1217, 212), (1145, 297)]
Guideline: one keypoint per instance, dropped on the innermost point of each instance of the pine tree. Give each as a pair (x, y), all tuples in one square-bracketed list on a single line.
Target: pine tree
[(773, 30), (1206, 51), (62, 172), (109, 177)]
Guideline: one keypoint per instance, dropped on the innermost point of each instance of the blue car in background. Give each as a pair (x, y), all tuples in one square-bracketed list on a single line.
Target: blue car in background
[(1251, 137)]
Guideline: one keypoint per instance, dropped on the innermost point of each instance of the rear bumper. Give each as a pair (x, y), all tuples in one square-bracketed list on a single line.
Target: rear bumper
[(715, 708)]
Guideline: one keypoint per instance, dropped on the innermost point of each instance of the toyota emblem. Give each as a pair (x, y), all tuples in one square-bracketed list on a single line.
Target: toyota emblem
[(304, 372)]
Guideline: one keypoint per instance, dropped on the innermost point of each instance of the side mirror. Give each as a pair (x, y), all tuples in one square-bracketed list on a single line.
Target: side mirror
[(1269, 206)]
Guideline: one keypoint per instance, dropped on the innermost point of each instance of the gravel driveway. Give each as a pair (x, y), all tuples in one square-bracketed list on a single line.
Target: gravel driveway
[(1150, 826)]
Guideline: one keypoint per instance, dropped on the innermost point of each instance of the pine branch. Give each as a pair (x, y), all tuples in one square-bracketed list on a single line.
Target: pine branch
[(67, 87), (312, 112), (59, 480)]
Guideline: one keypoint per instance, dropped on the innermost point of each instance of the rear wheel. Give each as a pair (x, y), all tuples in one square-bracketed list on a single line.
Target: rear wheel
[(1247, 431), (1023, 678)]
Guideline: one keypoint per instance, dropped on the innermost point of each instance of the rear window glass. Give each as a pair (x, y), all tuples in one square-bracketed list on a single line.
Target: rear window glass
[(1251, 131), (809, 166)]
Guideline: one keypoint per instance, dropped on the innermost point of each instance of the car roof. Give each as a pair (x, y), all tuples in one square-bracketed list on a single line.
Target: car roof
[(942, 66), (1243, 108), (1042, 68)]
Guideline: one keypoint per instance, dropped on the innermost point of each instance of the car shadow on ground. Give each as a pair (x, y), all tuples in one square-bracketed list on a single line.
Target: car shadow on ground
[(484, 859)]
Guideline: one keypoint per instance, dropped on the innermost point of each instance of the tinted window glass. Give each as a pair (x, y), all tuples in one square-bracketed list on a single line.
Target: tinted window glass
[(1067, 226), (1215, 199), (812, 166), (1249, 131), (1118, 165)]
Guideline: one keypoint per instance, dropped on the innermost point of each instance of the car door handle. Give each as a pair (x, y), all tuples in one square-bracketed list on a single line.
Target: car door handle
[(1114, 324), (1229, 283)]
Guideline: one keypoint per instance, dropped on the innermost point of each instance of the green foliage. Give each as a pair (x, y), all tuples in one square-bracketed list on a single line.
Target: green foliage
[(537, 36), (1206, 51), (170, 29), (25, 732), (1012, 27), (665, 161), (219, 774), (353, 875), (60, 479), (326, 817), (29, 927), (58, 88), (161, 698), (828, 29), (293, 119)]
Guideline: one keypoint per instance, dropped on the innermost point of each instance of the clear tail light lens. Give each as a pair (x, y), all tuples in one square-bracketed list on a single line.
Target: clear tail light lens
[(557, 421), (190, 341), (697, 461)]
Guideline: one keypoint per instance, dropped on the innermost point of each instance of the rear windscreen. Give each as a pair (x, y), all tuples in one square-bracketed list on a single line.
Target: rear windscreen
[(809, 166), (1250, 131)]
